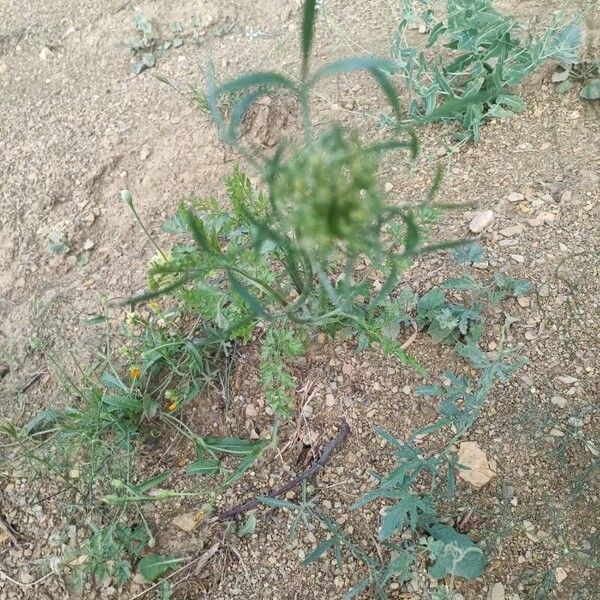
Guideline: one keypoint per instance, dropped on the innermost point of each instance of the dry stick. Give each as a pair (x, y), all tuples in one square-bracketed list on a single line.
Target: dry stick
[(31, 381), (325, 457), (9, 531)]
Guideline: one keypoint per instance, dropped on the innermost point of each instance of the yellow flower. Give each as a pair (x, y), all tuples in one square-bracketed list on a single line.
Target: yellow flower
[(134, 372), (172, 407)]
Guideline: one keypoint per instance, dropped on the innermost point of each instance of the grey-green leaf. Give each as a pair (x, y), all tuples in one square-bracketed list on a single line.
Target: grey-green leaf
[(459, 557), (153, 566), (591, 91), (203, 467), (249, 526), (319, 551)]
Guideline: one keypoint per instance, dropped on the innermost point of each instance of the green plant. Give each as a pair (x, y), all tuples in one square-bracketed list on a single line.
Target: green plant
[(109, 552), (280, 345), (586, 74), (92, 448), (294, 255), (146, 46), (421, 479), (485, 56)]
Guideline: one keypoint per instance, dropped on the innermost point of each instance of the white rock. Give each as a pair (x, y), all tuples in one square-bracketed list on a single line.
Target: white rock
[(512, 230), (481, 221), (556, 432), (496, 592), (388, 187), (543, 217), (186, 521), (45, 53), (476, 469), (515, 197), (559, 401), (560, 574), (567, 379)]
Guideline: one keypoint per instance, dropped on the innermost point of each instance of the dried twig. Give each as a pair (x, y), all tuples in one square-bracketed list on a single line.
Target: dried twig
[(4, 525), (317, 465), (31, 381)]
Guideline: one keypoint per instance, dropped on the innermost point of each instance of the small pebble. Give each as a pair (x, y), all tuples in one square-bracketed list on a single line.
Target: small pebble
[(515, 197), (481, 221), (560, 574)]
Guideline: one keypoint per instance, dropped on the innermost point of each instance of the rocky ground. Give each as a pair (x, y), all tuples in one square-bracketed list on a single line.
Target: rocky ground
[(78, 126)]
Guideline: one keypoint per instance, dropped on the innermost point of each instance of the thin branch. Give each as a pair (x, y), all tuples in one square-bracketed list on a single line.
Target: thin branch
[(9, 531), (317, 465)]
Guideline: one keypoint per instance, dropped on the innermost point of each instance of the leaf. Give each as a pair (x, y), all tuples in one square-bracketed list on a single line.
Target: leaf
[(232, 445), (126, 403), (430, 302), (559, 76), (355, 63), (591, 91), (96, 320), (474, 354), (249, 526), (429, 390), (466, 282), (148, 484), (566, 43), (452, 108), (204, 466), (395, 517), (112, 381), (388, 89), (321, 549), (153, 566), (388, 437), (43, 420), (308, 30), (165, 590), (564, 87), (360, 587), (246, 463), (400, 567), (253, 303), (515, 287), (267, 79), (277, 503), (458, 556), (59, 248)]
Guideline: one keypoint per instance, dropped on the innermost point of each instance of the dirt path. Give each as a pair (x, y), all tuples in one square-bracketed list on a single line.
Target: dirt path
[(76, 127)]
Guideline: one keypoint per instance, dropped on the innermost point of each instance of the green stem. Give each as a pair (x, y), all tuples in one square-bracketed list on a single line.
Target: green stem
[(129, 203)]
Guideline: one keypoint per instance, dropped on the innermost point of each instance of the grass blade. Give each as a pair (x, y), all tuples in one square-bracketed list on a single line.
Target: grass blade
[(308, 32)]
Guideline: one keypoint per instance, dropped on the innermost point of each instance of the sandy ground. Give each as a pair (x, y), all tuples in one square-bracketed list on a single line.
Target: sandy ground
[(76, 126)]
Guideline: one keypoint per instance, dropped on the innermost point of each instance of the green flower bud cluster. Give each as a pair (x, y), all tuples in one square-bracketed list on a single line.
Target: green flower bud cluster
[(326, 192)]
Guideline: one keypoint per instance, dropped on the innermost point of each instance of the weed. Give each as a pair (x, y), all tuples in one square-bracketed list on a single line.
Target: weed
[(280, 343), (487, 57), (147, 46), (586, 74), (108, 552), (294, 255), (418, 480)]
